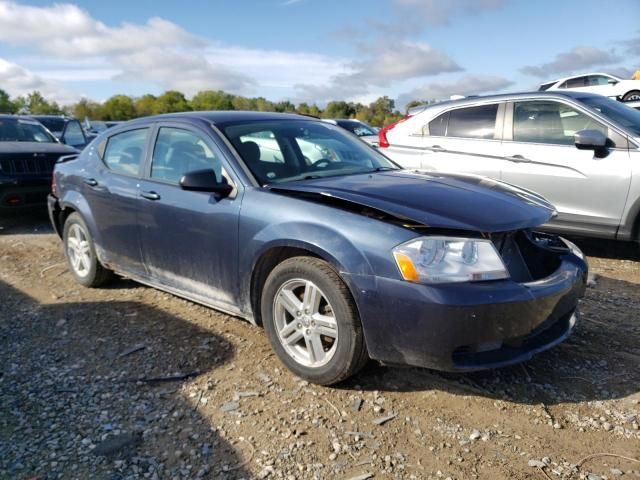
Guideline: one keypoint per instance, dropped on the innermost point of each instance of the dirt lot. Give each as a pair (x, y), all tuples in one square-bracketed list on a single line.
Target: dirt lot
[(86, 390)]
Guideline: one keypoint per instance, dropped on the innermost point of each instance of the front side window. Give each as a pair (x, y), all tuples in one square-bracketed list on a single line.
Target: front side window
[(178, 151), (597, 80), (473, 122), (73, 134), (123, 152), (550, 122), (281, 151)]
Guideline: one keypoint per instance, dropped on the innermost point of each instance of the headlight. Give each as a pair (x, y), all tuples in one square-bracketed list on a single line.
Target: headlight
[(449, 259)]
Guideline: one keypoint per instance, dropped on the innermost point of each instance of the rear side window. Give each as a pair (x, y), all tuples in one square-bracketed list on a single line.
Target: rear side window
[(575, 82), (123, 153), (438, 126), (473, 122)]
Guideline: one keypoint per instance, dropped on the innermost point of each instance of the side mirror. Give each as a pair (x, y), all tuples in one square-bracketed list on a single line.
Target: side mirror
[(590, 140), (205, 181), (612, 81)]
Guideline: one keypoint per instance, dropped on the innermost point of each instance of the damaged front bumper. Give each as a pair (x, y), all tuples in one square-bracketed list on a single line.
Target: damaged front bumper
[(469, 326)]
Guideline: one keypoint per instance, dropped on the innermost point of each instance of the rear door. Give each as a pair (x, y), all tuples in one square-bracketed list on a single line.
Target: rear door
[(189, 239), (110, 187), (588, 190), (465, 140)]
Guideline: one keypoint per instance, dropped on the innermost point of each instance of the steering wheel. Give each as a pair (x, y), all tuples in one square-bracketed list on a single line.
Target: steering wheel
[(322, 163)]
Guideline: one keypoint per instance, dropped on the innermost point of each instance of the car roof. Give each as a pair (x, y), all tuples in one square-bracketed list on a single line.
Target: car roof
[(581, 75), (503, 97), (223, 116)]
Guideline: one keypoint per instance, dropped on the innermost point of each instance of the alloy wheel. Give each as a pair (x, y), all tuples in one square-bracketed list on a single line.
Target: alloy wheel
[(305, 322), (79, 250)]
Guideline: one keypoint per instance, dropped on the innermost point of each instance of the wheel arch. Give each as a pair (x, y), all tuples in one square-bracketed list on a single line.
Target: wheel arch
[(273, 254), (74, 202)]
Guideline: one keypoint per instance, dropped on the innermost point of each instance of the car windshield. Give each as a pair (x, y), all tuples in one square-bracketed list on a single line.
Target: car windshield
[(288, 150), (620, 113), (23, 130), (55, 125), (359, 128)]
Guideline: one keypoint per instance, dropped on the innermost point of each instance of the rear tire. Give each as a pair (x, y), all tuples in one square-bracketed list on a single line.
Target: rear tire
[(631, 96), (312, 322), (80, 252)]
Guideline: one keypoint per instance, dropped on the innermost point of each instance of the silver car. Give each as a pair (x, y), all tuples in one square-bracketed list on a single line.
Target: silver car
[(579, 150)]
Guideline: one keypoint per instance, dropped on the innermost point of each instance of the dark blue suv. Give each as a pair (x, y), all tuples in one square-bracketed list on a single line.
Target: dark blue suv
[(298, 226)]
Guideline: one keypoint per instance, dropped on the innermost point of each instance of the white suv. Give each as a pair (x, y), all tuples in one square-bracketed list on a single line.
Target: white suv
[(580, 151), (600, 83)]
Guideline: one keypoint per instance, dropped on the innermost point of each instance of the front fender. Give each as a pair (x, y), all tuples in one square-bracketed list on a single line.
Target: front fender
[(324, 242)]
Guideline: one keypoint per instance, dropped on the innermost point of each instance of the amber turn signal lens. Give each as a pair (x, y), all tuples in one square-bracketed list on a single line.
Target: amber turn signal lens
[(406, 267)]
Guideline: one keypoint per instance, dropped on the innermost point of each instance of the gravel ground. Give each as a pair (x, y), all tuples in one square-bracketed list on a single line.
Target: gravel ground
[(129, 382)]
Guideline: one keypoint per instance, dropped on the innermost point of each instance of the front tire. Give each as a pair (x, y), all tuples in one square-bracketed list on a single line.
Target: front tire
[(80, 252), (631, 96), (312, 322)]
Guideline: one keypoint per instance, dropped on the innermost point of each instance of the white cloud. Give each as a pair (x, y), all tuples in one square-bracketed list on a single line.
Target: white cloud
[(575, 60), (466, 85), (381, 66), (17, 81)]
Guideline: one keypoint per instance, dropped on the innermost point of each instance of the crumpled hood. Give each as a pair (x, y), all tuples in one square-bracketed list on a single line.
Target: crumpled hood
[(434, 199)]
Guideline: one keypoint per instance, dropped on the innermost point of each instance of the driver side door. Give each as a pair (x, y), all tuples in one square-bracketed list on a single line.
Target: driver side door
[(189, 239)]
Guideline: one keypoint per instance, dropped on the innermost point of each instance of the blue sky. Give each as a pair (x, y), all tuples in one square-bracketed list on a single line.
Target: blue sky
[(310, 50)]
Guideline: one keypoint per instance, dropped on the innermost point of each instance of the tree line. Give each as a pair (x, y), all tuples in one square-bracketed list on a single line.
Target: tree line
[(124, 107)]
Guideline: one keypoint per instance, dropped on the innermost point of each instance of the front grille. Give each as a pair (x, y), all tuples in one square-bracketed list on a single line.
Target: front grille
[(27, 166), (529, 256)]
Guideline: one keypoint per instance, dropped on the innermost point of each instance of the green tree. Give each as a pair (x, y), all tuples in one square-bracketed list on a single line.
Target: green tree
[(6, 105), (86, 109), (119, 107), (171, 101), (339, 109), (35, 104), (414, 103), (284, 106), (145, 105), (212, 100)]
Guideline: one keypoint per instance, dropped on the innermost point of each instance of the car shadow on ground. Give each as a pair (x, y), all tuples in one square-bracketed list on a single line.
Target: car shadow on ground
[(599, 361), (96, 390), (32, 221)]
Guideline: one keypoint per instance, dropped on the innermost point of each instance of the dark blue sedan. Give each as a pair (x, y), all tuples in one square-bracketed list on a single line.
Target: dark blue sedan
[(298, 226)]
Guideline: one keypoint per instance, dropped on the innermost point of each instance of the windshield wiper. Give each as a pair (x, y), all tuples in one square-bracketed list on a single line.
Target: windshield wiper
[(384, 169)]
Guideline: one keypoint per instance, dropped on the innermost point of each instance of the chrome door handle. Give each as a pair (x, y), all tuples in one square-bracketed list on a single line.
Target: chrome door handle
[(150, 195), (517, 159), (92, 182), (437, 148)]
